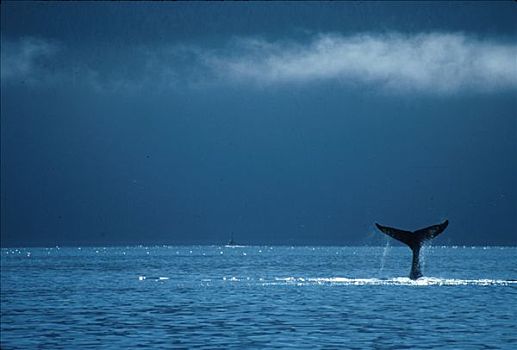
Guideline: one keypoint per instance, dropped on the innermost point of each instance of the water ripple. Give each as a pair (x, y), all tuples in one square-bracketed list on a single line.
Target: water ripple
[(257, 297)]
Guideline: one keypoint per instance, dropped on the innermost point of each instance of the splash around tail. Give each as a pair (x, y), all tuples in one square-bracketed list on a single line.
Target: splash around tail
[(414, 240)]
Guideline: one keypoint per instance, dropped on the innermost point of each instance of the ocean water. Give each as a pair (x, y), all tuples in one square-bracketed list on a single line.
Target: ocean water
[(257, 297)]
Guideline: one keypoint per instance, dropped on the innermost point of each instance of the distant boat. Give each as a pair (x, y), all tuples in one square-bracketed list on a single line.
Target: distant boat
[(231, 242)]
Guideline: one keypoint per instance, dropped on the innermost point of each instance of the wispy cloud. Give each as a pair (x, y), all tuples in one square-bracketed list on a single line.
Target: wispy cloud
[(43, 63), (27, 59), (436, 63), (39, 62)]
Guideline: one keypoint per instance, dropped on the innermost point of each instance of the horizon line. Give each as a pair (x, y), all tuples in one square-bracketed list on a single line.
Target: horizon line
[(250, 245)]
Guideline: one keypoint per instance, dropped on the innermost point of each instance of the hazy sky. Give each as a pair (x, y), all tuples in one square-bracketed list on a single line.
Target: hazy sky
[(285, 123)]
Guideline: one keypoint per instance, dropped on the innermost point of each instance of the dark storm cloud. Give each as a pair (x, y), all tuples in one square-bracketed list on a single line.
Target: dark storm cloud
[(286, 123)]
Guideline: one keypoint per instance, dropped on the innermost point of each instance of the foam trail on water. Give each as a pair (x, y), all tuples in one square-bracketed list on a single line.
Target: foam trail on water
[(153, 278), (397, 281)]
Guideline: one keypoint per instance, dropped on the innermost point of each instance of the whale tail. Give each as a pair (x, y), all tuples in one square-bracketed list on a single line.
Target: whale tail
[(414, 240)]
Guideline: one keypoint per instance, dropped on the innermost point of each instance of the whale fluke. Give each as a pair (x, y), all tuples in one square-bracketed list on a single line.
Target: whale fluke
[(414, 240)]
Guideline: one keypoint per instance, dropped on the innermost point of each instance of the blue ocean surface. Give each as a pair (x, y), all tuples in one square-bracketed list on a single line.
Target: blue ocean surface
[(257, 297)]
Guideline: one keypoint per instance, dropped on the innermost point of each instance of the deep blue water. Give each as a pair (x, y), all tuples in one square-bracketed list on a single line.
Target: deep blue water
[(257, 297)]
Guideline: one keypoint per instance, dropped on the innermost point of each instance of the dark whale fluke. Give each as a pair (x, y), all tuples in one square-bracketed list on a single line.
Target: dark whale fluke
[(415, 240)]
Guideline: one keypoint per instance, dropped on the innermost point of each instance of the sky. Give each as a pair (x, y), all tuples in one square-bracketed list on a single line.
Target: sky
[(285, 123)]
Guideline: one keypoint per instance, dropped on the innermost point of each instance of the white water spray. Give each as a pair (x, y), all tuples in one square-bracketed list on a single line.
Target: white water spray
[(426, 248), (384, 253)]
